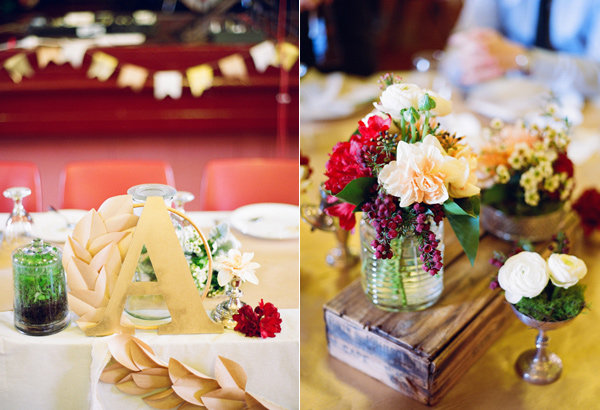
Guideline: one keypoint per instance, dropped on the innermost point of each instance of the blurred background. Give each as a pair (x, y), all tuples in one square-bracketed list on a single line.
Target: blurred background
[(57, 105)]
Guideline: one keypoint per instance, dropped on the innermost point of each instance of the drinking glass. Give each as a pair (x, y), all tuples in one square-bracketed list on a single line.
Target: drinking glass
[(18, 225), (181, 198)]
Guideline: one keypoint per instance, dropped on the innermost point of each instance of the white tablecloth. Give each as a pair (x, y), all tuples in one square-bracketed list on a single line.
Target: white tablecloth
[(61, 371)]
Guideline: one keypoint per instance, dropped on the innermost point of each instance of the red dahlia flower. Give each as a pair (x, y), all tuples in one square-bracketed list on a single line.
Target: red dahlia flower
[(344, 211), (263, 321), (563, 164)]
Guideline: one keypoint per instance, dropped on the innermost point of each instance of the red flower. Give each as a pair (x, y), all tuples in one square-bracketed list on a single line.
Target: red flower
[(344, 165), (263, 321), (375, 125), (588, 208), (563, 164), (344, 211), (247, 321), (270, 322)]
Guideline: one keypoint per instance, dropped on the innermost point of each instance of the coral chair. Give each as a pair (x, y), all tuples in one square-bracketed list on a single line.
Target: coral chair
[(230, 183), (86, 184), (18, 173)]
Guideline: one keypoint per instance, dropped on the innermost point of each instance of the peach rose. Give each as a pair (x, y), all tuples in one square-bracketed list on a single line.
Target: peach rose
[(461, 176), (417, 174)]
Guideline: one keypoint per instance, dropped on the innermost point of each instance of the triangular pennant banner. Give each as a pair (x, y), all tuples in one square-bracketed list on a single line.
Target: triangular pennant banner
[(199, 78), (132, 76), (287, 55), (102, 67), (263, 54), (167, 83), (18, 67), (46, 55), (233, 66)]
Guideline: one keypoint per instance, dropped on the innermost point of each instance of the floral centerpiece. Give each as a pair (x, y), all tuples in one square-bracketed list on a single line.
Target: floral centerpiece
[(544, 294), (220, 240), (405, 174), (545, 290), (525, 172)]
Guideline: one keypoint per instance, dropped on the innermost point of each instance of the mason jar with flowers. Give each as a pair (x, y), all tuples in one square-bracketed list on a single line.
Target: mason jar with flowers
[(405, 173), (526, 177)]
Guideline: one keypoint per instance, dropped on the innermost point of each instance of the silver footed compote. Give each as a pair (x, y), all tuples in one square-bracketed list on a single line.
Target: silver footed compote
[(339, 257), (539, 365)]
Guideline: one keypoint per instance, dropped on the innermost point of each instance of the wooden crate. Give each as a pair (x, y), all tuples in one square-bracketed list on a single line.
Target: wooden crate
[(422, 354)]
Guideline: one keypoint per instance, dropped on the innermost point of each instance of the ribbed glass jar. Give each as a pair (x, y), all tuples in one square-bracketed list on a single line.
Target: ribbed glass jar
[(400, 283)]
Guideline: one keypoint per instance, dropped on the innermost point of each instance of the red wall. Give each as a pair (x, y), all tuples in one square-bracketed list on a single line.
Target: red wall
[(60, 115)]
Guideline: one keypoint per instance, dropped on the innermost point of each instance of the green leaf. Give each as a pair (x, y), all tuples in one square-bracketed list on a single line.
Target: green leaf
[(495, 194), (463, 215), (466, 228), (463, 206), (426, 103), (357, 190)]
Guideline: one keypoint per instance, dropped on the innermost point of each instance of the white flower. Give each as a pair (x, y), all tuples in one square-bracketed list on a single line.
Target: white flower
[(551, 184), (461, 176), (565, 270), (442, 105), (397, 97), (532, 198), (236, 264), (523, 275), (497, 124), (502, 174)]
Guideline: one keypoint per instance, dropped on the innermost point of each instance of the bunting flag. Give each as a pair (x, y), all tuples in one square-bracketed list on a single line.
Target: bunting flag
[(73, 52), (167, 83), (18, 67), (287, 55), (233, 66), (132, 76), (199, 78), (46, 55), (102, 66), (263, 55)]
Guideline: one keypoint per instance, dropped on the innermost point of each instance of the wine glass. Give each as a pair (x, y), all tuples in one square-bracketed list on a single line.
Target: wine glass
[(18, 225), (181, 198)]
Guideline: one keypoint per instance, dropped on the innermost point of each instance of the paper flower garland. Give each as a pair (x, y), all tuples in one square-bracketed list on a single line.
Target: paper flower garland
[(136, 370), (93, 255)]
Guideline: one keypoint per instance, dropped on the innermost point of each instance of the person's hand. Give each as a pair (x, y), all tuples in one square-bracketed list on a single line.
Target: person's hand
[(484, 54)]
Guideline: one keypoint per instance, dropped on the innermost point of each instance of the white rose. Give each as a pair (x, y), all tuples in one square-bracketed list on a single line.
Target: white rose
[(523, 275), (397, 97), (565, 270)]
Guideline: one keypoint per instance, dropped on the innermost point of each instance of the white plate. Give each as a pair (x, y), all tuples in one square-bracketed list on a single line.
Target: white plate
[(268, 220), (52, 227)]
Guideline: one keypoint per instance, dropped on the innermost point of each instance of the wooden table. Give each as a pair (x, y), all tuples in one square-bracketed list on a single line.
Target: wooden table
[(492, 381)]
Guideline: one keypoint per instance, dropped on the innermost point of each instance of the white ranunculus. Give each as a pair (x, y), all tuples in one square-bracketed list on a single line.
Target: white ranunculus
[(523, 275), (565, 270), (442, 105), (236, 264), (397, 97)]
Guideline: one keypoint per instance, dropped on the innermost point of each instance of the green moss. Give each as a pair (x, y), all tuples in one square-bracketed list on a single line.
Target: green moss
[(554, 304)]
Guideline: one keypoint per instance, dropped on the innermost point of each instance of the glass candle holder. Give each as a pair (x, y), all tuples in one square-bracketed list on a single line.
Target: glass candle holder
[(40, 301)]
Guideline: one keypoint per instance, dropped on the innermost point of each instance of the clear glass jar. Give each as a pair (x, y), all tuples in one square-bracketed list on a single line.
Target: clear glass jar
[(40, 301), (148, 307), (399, 283)]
